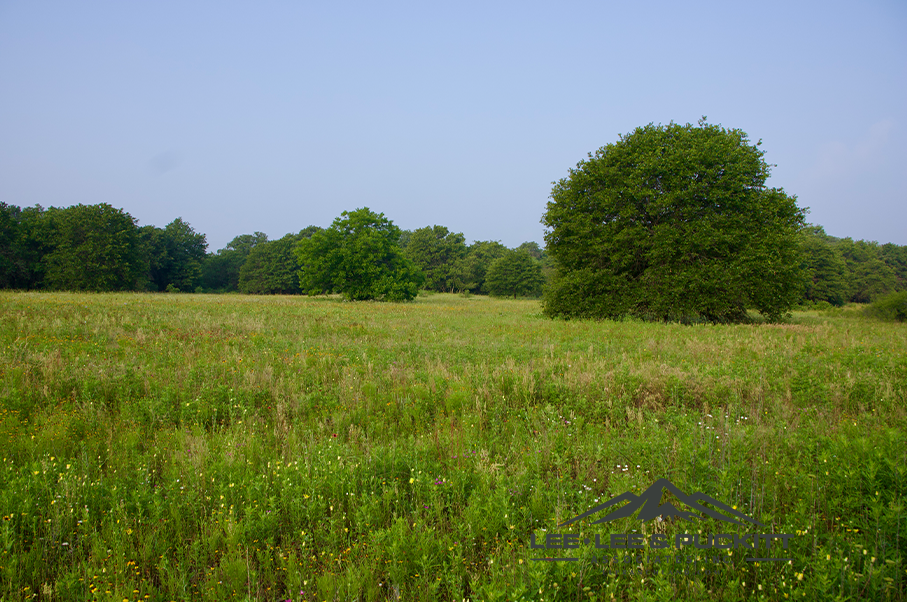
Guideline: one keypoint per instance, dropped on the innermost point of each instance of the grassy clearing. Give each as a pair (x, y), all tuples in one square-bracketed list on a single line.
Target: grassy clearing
[(173, 447)]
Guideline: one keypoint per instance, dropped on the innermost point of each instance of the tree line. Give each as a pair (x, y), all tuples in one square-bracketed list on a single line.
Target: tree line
[(842, 270), (95, 248), (101, 248)]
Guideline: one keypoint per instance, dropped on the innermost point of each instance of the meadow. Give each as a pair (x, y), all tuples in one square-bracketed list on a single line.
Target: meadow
[(205, 447)]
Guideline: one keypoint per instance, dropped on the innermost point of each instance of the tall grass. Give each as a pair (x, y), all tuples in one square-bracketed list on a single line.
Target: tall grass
[(175, 447)]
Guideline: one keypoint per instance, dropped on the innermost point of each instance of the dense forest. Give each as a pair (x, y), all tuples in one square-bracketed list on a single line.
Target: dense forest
[(101, 248)]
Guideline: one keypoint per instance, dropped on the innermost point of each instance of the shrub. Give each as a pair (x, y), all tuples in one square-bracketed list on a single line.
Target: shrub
[(891, 308)]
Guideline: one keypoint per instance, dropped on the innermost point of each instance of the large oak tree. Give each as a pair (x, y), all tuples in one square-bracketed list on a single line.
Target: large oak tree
[(673, 223)]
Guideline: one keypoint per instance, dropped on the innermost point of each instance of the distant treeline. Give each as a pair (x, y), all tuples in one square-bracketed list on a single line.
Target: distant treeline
[(101, 248), (95, 248), (841, 270)]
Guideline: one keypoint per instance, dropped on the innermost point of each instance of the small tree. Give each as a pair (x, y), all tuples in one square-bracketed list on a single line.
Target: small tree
[(673, 222), (515, 274), (358, 256)]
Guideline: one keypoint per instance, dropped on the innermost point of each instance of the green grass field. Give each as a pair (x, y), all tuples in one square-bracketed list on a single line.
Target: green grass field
[(191, 447)]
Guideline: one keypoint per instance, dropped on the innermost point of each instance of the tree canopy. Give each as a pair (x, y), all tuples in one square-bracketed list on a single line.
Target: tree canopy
[(21, 249), (176, 253), (871, 277), (220, 271), (435, 251), (92, 248), (358, 256), (517, 273), (272, 267), (826, 272), (468, 273), (673, 223), (840, 270)]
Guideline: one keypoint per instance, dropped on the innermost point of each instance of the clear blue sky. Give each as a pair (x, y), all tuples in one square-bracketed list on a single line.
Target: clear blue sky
[(270, 116)]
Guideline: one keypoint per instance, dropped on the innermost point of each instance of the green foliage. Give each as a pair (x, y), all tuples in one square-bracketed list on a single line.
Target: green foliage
[(220, 271), (96, 247), (20, 251), (403, 240), (185, 253), (244, 243), (271, 268), (825, 269), (175, 255), (436, 251), (891, 307), (895, 257), (870, 276), (673, 222), (516, 274), (469, 272), (533, 249), (155, 252), (92, 248), (841, 269), (359, 257), (10, 266)]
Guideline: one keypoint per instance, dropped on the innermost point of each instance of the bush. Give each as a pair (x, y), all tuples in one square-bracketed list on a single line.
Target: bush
[(891, 308)]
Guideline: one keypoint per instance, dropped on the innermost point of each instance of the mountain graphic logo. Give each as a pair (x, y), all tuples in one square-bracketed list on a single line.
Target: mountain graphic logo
[(649, 506)]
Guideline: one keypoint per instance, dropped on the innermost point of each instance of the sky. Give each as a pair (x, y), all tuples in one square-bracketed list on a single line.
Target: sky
[(270, 116)]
